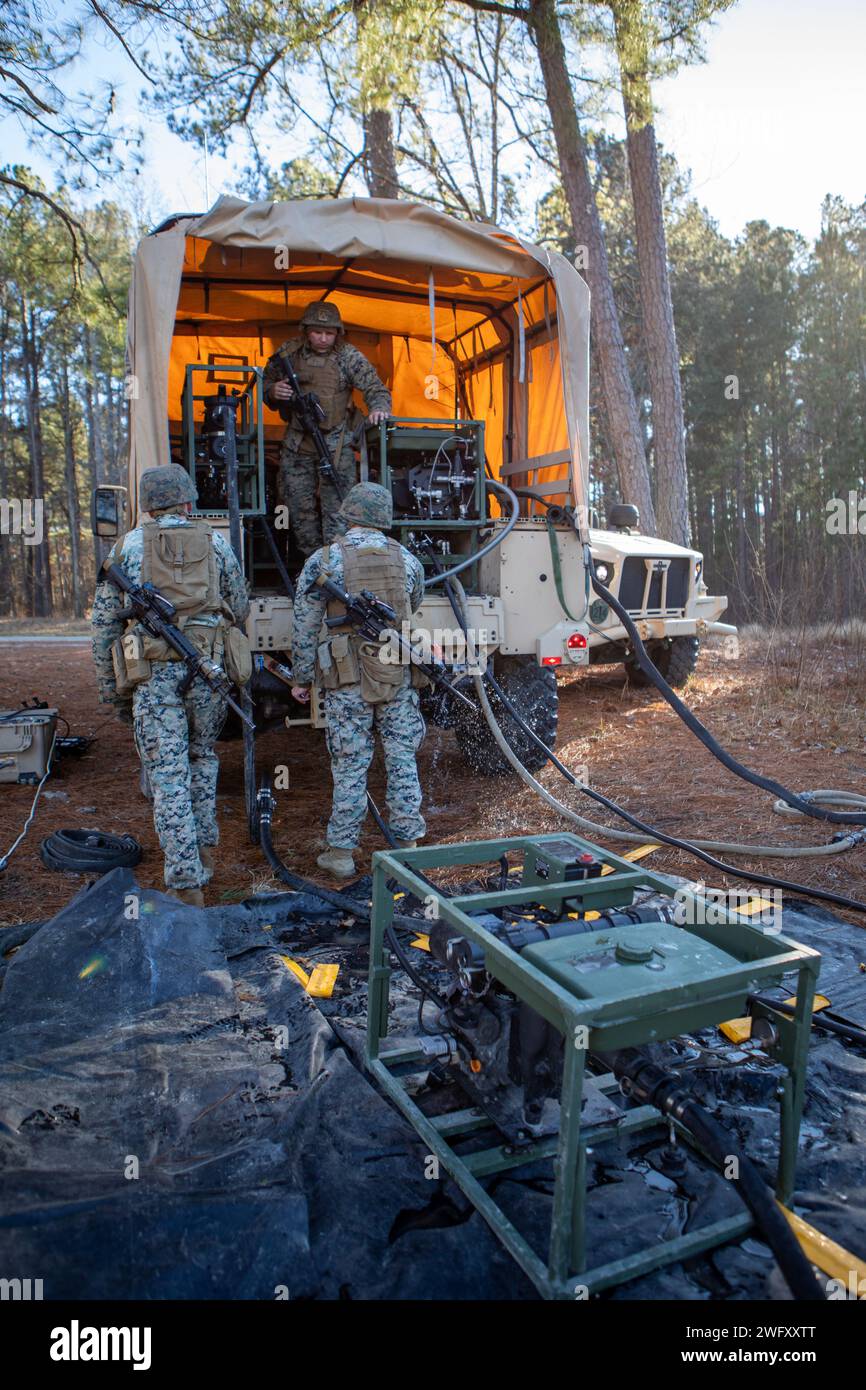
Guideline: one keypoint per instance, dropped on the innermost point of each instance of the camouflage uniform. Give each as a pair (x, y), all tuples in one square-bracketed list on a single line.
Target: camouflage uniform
[(174, 734), (351, 721), (299, 477)]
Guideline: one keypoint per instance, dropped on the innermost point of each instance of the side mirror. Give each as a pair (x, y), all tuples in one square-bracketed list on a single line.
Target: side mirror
[(108, 511), (624, 517)]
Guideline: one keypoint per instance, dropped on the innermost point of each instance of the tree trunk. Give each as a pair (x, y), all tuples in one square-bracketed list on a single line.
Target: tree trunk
[(40, 558), (114, 426), (7, 601), (71, 493), (91, 411), (657, 313), (380, 163), (740, 537), (620, 408)]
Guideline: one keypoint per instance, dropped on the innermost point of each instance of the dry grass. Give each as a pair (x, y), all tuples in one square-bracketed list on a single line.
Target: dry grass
[(44, 627), (789, 709)]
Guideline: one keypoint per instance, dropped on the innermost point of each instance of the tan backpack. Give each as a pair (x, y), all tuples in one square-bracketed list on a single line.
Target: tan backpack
[(180, 562)]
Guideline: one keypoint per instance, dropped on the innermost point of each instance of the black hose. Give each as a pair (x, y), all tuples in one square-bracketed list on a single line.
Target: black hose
[(749, 876), (276, 557), (819, 1020), (390, 935), (88, 851), (265, 808), (648, 1084), (490, 545), (807, 808)]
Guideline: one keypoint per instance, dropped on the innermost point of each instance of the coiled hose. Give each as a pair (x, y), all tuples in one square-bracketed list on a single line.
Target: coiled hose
[(93, 852), (804, 805), (456, 595)]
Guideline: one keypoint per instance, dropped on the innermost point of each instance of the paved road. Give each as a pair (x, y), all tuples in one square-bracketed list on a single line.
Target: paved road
[(10, 641)]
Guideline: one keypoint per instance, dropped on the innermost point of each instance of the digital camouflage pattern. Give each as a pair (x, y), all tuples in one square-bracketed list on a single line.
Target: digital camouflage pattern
[(311, 499), (321, 314), (350, 737), (368, 504), (166, 486), (352, 723), (299, 479), (175, 735)]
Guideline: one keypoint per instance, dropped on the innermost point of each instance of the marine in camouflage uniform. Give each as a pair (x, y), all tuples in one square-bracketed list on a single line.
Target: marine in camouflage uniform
[(332, 375), (352, 720), (175, 734)]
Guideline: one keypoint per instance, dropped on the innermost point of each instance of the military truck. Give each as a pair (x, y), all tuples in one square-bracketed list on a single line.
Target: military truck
[(483, 340)]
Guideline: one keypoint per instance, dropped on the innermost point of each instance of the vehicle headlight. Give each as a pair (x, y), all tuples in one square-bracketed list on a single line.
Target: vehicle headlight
[(604, 571)]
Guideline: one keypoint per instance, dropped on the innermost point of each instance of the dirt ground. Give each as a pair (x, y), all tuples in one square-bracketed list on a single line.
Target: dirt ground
[(790, 708)]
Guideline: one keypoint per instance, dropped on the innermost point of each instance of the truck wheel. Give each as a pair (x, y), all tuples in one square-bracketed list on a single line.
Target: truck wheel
[(676, 660), (532, 690)]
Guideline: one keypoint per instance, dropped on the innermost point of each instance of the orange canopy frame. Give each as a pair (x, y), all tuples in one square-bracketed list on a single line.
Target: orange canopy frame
[(461, 320)]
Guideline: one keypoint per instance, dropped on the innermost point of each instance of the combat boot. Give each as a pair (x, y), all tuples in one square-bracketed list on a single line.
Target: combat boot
[(205, 854), (338, 862), (193, 896)]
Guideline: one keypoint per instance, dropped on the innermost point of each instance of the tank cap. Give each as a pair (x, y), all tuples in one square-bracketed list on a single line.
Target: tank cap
[(633, 951)]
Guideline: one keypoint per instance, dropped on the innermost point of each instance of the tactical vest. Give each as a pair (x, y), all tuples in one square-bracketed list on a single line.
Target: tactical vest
[(346, 658), (320, 373), (180, 562)]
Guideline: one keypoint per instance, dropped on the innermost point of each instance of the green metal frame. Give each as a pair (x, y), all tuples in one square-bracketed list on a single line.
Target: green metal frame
[(413, 432), (656, 1015), (250, 432)]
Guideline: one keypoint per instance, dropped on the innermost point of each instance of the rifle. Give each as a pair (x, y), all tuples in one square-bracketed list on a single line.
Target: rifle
[(308, 409), (156, 615), (370, 616)]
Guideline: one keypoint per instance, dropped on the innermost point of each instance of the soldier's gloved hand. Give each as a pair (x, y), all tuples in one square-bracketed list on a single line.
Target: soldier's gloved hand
[(282, 391), (301, 693)]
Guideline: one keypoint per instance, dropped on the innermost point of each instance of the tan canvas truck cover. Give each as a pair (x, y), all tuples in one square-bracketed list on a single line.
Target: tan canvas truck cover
[(457, 317)]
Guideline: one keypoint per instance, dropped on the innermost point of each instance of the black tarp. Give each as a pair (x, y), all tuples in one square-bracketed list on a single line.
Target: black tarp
[(179, 1119)]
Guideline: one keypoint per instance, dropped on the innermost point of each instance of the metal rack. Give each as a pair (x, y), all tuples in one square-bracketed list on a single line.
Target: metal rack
[(600, 1000)]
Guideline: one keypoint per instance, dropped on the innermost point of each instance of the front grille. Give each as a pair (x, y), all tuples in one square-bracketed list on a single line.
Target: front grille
[(659, 598)]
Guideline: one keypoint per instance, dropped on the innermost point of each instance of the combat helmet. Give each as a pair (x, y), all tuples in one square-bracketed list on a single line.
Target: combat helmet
[(321, 314), (366, 504), (166, 486)]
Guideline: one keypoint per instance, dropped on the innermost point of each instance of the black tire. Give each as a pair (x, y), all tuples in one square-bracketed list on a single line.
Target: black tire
[(532, 690), (675, 659)]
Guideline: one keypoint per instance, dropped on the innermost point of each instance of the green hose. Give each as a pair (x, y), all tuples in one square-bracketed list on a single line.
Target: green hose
[(556, 564)]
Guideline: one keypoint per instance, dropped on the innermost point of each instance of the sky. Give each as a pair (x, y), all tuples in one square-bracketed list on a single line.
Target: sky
[(772, 122), (776, 117)]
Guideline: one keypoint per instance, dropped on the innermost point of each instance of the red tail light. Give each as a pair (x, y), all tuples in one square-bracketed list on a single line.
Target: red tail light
[(551, 661), (576, 640)]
